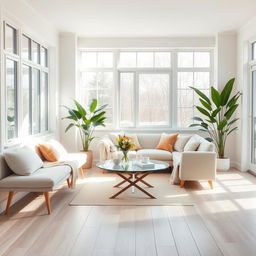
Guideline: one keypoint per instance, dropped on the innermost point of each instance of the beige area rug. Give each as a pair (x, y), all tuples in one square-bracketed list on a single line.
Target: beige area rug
[(98, 187)]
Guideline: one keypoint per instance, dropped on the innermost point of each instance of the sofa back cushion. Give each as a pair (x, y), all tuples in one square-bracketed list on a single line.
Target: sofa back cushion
[(149, 141), (181, 141), (22, 161), (192, 144)]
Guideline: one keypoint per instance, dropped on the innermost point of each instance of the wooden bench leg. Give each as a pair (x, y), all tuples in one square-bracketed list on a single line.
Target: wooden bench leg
[(81, 172), (68, 182), (182, 182), (210, 183), (10, 197), (47, 201)]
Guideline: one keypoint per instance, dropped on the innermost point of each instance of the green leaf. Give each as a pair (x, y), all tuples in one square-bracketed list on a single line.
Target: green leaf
[(215, 112), (69, 117), (100, 108), (232, 130), (230, 111), (69, 126), (196, 118), (209, 139), (203, 111), (97, 117), (80, 109), (202, 95), (203, 130), (194, 125), (225, 94), (233, 121), (204, 125), (215, 97), (10, 118), (233, 100), (222, 124), (206, 104), (93, 105)]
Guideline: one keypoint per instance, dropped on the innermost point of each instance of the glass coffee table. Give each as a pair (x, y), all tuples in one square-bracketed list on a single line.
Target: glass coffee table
[(133, 174)]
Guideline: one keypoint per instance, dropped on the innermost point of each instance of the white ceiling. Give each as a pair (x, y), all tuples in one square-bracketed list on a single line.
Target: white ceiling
[(145, 18)]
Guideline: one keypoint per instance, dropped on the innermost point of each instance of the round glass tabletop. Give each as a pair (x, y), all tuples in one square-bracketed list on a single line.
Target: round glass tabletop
[(132, 166)]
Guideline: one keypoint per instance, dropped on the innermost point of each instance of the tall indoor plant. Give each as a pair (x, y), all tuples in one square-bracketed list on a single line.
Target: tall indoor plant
[(218, 111), (86, 120)]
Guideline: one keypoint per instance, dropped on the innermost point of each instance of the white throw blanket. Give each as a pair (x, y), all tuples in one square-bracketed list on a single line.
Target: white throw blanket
[(174, 179), (72, 164)]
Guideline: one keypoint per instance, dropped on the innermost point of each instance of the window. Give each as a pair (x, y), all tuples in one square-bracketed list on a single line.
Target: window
[(11, 98), (97, 80), (193, 71), (254, 51), (146, 88), (26, 48), (10, 39), (26, 84)]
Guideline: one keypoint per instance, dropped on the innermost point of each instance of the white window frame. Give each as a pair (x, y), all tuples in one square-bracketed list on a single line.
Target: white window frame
[(20, 61), (172, 71)]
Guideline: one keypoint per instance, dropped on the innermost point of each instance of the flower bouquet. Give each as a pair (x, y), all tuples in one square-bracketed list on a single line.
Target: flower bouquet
[(124, 144)]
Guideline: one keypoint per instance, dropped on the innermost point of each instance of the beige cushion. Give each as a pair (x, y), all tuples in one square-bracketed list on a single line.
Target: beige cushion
[(205, 146), (42, 178), (23, 161), (156, 154), (192, 144), (181, 142)]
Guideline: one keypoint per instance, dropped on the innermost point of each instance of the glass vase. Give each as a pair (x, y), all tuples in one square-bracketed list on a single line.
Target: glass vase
[(125, 156)]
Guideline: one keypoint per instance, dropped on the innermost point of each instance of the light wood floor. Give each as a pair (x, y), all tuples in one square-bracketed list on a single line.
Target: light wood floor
[(223, 222)]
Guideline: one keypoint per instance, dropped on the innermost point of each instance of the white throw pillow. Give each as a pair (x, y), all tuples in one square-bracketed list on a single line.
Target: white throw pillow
[(22, 161), (192, 144), (181, 142), (205, 146)]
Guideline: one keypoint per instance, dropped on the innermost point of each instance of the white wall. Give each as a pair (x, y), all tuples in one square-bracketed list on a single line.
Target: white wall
[(226, 68), (18, 13), (68, 85), (245, 35)]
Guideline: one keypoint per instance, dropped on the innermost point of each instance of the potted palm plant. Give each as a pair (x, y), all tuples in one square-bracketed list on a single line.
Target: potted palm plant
[(218, 111), (86, 121)]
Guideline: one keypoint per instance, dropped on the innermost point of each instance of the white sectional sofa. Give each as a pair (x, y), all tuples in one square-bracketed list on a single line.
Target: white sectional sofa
[(188, 165)]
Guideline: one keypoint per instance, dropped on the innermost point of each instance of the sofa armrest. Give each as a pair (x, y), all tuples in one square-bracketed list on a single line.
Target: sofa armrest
[(105, 147), (198, 166)]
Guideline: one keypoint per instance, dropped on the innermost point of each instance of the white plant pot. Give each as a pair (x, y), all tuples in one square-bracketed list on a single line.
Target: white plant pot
[(223, 164)]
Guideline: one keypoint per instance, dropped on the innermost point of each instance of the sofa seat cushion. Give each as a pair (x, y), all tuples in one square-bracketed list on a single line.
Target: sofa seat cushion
[(42, 178), (156, 154)]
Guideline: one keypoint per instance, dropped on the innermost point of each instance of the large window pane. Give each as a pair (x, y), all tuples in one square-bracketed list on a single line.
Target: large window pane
[(162, 59), (202, 80), (11, 98), (36, 52), (89, 59), (44, 57), (145, 59), (184, 117), (11, 39), (185, 80), (26, 48), (105, 59), (153, 99), (185, 98), (126, 99), (98, 85), (44, 102), (127, 59), (26, 100), (185, 59), (36, 102), (202, 59)]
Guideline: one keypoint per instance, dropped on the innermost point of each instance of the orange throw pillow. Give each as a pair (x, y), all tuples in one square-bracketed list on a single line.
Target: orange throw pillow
[(167, 142), (47, 152)]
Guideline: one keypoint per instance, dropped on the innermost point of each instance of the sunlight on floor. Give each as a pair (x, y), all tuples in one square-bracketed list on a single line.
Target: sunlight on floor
[(172, 196), (247, 203), (218, 206), (95, 180), (229, 176), (247, 188)]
